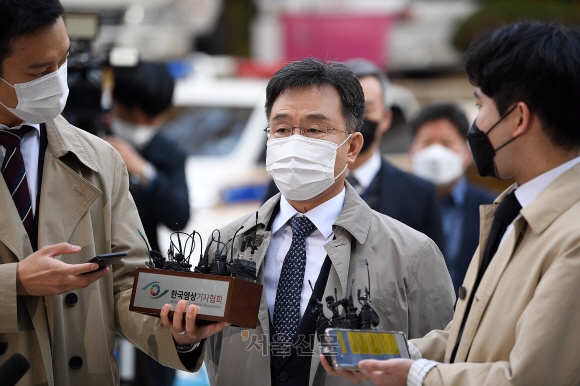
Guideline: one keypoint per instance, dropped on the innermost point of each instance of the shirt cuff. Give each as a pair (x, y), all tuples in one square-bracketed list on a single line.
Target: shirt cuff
[(188, 348), (414, 351), (418, 371)]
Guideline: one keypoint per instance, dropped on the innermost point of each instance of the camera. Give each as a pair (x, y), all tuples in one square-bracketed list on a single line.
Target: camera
[(90, 77)]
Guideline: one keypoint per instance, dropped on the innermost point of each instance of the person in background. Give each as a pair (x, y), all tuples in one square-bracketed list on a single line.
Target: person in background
[(385, 188), (440, 154), (156, 164), (516, 320)]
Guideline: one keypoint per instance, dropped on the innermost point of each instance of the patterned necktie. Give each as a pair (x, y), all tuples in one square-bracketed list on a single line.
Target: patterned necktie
[(14, 173), (289, 291), (505, 213)]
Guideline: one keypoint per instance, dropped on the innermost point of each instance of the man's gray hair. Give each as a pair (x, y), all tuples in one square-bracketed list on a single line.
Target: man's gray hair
[(364, 67)]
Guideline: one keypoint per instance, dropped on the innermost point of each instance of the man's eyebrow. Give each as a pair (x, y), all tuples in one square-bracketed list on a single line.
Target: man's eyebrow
[(476, 94), (280, 116), (310, 117), (45, 64), (317, 116)]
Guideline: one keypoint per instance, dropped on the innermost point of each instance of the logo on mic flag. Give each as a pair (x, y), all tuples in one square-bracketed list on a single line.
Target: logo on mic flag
[(154, 290)]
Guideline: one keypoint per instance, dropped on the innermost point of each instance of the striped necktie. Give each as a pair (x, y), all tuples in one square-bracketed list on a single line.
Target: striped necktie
[(14, 173)]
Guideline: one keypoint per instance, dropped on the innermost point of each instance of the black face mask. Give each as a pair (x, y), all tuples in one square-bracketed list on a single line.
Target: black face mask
[(482, 149), (368, 131)]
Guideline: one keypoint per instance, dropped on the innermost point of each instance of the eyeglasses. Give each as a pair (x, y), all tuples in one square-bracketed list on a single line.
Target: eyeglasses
[(310, 130)]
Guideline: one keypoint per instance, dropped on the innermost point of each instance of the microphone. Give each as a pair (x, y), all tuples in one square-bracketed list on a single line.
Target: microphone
[(13, 369)]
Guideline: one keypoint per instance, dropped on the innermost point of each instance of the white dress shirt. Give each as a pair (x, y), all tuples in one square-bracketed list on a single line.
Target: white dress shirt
[(323, 216), (29, 147), (365, 173), (526, 194)]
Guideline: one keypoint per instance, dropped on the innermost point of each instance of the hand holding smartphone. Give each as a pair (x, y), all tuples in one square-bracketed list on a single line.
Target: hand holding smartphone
[(345, 348), (105, 259)]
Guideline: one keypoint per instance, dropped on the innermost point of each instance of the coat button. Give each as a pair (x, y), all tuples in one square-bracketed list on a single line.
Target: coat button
[(71, 299), (283, 375), (3, 347), (462, 292), (75, 363)]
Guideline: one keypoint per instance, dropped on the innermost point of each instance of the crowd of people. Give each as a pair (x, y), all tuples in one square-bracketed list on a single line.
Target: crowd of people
[(483, 284)]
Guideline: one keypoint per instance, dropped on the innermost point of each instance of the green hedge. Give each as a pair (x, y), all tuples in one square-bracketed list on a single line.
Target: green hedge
[(495, 13)]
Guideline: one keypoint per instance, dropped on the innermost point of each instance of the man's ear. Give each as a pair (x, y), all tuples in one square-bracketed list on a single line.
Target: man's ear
[(524, 119), (356, 143)]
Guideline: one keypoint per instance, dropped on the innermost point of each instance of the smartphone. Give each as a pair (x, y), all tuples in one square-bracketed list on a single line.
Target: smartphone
[(105, 259), (346, 348)]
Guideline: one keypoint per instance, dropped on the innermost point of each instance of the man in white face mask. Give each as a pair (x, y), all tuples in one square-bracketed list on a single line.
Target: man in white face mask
[(64, 198), (383, 186), (440, 154), (318, 230)]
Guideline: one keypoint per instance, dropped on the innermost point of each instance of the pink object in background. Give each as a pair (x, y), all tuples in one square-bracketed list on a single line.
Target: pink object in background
[(337, 36)]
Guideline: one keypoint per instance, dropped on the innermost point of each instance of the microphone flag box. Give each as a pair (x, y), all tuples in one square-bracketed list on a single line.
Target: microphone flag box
[(219, 298)]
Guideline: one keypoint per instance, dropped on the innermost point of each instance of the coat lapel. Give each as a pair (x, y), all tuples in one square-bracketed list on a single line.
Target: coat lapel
[(264, 314), (488, 284), (339, 254), (12, 232), (61, 208), (487, 288), (486, 219), (352, 226)]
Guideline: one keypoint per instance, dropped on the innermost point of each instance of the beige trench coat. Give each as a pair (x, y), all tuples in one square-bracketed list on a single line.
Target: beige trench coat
[(411, 288), (85, 201), (524, 323)]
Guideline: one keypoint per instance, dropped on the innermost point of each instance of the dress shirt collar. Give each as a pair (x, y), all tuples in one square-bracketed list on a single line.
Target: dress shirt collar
[(529, 191), (459, 193), (323, 216), (35, 125), (365, 173)]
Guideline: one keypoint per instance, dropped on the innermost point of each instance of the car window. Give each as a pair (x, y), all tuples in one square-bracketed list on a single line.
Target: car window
[(207, 130)]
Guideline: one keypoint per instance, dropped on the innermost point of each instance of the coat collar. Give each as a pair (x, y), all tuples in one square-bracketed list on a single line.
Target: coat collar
[(356, 215), (558, 197), (62, 139)]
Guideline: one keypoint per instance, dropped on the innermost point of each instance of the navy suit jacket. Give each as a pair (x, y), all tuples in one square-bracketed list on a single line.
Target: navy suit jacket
[(475, 197), (166, 200), (406, 198), (411, 200)]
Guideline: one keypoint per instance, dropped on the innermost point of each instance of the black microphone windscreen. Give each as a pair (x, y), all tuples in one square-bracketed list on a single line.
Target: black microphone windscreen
[(13, 369)]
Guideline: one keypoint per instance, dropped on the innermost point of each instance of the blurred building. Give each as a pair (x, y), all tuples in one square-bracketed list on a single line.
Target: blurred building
[(159, 29), (399, 35)]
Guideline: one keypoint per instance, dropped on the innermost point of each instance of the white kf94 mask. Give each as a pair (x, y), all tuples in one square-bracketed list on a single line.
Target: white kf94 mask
[(42, 99), (302, 167), (438, 164), (138, 136)]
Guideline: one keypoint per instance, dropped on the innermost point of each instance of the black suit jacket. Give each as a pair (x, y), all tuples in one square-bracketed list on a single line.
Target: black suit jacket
[(166, 200), (475, 197), (404, 197)]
